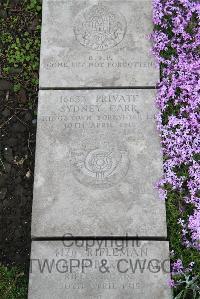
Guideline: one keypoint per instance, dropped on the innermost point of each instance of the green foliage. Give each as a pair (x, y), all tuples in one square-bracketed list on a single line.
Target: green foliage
[(185, 283), (188, 288), (17, 87), (19, 64), (13, 284), (20, 44), (175, 204), (33, 5), (171, 109)]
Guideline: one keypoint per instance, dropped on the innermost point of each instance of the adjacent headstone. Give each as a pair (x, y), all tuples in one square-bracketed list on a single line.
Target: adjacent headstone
[(99, 270), (97, 44), (98, 158)]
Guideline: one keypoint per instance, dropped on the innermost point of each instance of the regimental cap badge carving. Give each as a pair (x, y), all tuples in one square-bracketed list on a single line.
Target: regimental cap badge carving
[(100, 166), (99, 28)]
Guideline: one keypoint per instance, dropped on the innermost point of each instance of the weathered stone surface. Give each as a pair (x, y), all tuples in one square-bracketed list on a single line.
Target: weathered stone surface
[(106, 269), (97, 160), (97, 44)]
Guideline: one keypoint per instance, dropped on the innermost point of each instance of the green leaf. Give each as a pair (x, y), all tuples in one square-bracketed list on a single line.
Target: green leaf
[(17, 87), (38, 8), (179, 295)]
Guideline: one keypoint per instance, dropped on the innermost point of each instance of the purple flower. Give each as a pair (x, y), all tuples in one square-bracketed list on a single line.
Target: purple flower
[(171, 283), (176, 41), (177, 267)]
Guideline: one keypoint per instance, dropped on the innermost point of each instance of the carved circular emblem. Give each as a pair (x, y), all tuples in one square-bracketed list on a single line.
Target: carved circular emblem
[(99, 28), (101, 166)]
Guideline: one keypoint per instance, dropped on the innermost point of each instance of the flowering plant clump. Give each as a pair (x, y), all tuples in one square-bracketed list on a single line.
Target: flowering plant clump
[(187, 286), (176, 46)]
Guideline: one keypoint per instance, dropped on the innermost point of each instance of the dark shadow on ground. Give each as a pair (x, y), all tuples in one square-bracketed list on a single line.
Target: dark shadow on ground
[(17, 146)]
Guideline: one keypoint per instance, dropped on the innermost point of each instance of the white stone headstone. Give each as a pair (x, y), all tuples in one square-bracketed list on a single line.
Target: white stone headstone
[(98, 158), (89, 43), (106, 269)]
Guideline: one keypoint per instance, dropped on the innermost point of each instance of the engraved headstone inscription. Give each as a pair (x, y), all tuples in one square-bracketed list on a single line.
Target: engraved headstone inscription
[(99, 269), (98, 226), (98, 158), (96, 44)]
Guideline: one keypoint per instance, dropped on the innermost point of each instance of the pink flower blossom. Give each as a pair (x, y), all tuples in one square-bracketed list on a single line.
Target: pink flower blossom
[(176, 41)]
